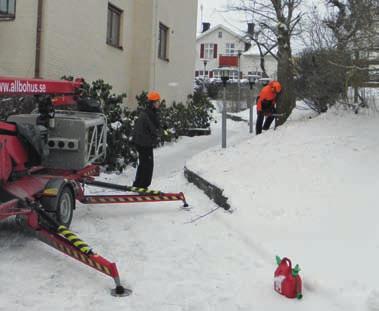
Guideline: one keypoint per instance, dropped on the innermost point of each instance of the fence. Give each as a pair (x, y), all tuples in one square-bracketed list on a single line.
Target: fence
[(237, 98)]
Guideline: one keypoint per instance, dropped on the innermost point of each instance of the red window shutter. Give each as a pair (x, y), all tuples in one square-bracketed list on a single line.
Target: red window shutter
[(211, 74), (214, 50), (202, 51)]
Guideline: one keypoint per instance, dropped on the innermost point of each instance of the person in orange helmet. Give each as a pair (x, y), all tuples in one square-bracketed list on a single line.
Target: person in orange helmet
[(266, 102), (145, 138)]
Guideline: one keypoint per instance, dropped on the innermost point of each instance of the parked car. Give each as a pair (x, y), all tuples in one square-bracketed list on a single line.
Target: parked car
[(264, 81)]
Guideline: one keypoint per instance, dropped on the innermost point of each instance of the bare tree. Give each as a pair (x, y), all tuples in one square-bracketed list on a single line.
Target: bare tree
[(352, 25), (316, 35), (351, 22), (278, 21)]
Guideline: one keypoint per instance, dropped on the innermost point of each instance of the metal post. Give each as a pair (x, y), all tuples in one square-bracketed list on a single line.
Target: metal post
[(251, 118), (251, 114), (223, 123), (205, 67), (239, 80)]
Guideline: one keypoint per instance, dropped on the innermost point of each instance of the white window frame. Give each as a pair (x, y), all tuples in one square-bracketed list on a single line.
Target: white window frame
[(233, 74), (230, 49), (373, 55), (216, 74), (208, 50)]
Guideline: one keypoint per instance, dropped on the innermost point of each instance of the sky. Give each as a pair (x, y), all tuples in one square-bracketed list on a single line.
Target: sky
[(214, 13)]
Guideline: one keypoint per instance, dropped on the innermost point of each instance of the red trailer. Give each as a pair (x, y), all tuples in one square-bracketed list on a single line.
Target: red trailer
[(43, 196)]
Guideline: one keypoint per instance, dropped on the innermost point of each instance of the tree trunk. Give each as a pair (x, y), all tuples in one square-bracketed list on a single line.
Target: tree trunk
[(262, 63), (287, 100)]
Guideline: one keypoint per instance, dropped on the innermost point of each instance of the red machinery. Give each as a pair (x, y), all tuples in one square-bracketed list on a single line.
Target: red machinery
[(44, 197)]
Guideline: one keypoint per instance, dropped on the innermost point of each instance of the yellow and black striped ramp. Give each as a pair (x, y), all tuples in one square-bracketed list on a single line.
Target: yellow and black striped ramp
[(114, 199), (106, 185), (74, 240), (144, 191), (92, 260)]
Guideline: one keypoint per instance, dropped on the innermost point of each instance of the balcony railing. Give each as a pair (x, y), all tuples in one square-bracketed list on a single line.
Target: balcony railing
[(228, 60)]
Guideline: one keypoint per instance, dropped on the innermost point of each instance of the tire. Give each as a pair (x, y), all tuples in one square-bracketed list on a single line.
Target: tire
[(65, 207)]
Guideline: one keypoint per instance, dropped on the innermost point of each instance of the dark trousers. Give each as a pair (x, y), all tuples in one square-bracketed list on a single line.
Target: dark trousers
[(145, 167), (259, 123)]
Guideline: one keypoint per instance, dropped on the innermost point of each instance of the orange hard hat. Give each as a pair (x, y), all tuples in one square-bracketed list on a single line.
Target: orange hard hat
[(276, 86), (153, 96)]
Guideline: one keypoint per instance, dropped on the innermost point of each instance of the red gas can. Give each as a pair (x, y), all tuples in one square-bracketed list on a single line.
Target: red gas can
[(287, 281)]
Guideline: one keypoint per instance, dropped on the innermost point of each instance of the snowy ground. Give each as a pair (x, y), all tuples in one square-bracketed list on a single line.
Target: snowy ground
[(306, 191)]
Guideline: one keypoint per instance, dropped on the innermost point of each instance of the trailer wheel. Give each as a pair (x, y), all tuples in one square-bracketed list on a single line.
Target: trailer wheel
[(65, 207)]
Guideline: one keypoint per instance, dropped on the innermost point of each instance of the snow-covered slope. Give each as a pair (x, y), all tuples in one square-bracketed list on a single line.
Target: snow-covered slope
[(309, 191)]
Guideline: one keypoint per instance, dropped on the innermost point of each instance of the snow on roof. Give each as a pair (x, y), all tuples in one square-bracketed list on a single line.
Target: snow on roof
[(219, 26), (254, 51)]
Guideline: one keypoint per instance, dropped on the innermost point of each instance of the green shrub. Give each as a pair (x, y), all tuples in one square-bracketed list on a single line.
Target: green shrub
[(321, 77)]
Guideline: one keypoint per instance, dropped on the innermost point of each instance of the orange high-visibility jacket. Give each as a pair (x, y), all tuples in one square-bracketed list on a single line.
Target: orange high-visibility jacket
[(267, 93)]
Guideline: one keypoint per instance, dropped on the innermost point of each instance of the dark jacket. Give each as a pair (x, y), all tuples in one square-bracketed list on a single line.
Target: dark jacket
[(146, 128)]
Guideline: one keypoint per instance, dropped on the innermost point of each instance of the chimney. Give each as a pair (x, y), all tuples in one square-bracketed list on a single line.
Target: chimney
[(206, 26), (250, 29)]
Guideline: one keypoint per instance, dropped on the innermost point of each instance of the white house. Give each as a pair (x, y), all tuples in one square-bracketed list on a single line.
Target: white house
[(251, 63), (219, 47), (135, 45)]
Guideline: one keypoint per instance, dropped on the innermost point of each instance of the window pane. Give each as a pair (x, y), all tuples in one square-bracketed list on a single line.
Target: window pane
[(12, 4), (113, 26), (163, 42), (115, 29), (109, 26), (7, 7), (161, 35), (3, 6)]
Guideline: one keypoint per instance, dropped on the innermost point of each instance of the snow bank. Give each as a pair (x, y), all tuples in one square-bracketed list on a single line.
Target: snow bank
[(308, 191)]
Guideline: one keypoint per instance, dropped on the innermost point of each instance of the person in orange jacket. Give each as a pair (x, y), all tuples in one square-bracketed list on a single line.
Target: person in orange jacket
[(266, 102)]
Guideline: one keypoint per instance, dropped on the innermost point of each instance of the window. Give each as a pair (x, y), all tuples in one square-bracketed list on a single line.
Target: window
[(255, 73), (220, 34), (114, 26), (230, 49), (363, 54), (373, 55), (233, 74), (7, 9), (208, 50), (163, 42)]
